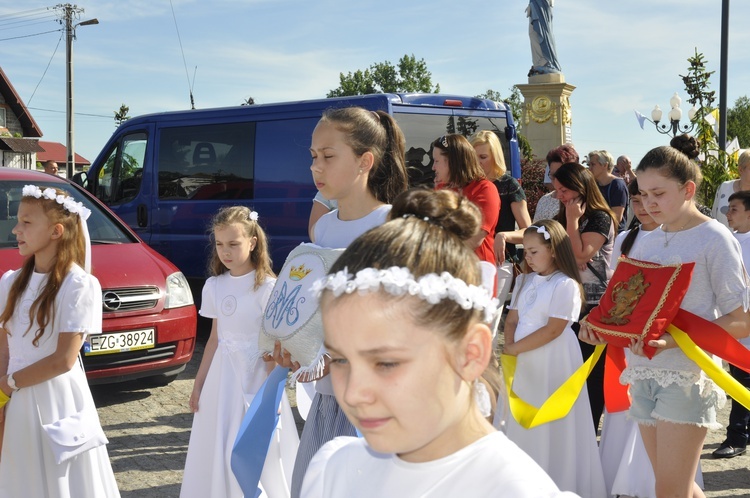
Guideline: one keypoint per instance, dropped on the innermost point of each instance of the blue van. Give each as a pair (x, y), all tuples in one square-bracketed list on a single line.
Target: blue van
[(166, 174)]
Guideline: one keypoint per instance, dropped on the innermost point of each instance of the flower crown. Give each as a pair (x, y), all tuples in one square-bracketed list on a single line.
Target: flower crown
[(70, 204), (397, 281)]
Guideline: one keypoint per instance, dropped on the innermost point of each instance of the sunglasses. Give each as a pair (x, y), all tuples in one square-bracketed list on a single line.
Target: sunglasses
[(443, 141)]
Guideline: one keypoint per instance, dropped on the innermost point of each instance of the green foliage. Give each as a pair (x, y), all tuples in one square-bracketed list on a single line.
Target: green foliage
[(121, 115), (410, 75), (515, 101), (717, 166), (738, 121)]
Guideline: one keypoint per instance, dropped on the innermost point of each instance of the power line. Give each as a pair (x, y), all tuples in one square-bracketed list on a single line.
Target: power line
[(26, 22), (27, 36), (46, 69), (77, 113), (24, 13)]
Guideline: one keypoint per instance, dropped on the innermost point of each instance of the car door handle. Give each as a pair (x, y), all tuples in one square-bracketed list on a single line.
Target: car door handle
[(142, 215)]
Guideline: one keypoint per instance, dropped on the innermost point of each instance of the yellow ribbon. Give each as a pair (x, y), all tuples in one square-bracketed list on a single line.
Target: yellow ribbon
[(558, 405), (737, 391)]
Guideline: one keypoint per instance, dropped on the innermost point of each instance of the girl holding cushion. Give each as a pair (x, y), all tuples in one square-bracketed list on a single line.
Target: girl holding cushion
[(673, 400), (358, 161)]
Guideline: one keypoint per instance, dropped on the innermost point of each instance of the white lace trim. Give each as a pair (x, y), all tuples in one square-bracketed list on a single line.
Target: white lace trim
[(665, 378), (397, 281), (70, 204)]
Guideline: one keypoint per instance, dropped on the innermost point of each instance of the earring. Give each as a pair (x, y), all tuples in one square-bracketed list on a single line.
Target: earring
[(482, 398), (360, 171)]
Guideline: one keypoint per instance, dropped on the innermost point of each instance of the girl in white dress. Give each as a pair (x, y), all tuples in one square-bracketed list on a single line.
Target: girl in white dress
[(672, 400), (53, 445), (227, 379), (405, 323), (538, 331), (357, 161)]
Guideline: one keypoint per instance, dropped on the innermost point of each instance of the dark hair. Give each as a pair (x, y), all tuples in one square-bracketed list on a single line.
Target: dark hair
[(575, 177), (378, 133), (463, 165), (562, 154), (742, 195), (635, 225), (687, 144), (672, 163)]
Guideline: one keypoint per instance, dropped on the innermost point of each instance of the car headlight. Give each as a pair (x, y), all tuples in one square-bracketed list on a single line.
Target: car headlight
[(178, 291)]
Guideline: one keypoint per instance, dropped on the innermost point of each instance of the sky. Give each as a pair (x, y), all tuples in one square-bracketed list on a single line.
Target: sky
[(620, 55)]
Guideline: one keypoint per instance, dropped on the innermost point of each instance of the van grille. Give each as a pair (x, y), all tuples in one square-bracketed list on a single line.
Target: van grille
[(129, 299)]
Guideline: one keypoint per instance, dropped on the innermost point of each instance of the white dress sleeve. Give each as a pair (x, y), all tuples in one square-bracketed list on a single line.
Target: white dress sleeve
[(208, 299), (5, 283), (566, 299), (80, 304)]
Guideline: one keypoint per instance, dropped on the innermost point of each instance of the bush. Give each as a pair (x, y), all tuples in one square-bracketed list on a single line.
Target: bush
[(532, 181)]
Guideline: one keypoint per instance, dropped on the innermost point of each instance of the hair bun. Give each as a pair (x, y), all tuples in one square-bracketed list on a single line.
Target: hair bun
[(444, 208), (687, 144)]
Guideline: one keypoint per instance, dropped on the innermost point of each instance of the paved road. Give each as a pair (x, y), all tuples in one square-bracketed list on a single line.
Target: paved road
[(149, 428)]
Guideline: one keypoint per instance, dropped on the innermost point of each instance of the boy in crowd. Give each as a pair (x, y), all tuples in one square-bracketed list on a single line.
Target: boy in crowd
[(738, 429)]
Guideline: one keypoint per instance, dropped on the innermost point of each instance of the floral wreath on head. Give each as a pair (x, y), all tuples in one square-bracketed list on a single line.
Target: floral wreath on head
[(67, 202), (398, 281)]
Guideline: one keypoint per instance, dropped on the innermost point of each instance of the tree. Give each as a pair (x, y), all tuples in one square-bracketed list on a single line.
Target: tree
[(121, 115), (738, 121), (716, 165), (410, 75)]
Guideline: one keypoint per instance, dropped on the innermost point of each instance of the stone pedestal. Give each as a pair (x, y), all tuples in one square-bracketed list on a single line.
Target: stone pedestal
[(547, 117)]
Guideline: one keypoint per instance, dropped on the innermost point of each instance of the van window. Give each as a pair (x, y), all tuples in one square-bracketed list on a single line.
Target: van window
[(208, 162), (421, 130), (121, 175)]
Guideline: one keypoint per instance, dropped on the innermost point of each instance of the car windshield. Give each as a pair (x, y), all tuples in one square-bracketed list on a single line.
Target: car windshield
[(102, 228)]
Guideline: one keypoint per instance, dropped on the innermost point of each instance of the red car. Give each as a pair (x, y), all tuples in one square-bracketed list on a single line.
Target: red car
[(149, 319)]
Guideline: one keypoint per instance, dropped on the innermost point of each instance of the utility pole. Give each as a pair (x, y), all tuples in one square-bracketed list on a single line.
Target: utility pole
[(69, 12)]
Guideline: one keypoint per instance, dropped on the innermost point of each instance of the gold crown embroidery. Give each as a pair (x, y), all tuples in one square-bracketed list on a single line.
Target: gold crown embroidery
[(299, 272), (625, 297)]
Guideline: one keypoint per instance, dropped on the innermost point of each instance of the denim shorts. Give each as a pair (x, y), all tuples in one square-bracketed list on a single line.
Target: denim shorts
[(651, 402)]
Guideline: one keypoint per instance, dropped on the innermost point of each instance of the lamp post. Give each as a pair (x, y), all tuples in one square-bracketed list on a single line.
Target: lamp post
[(675, 115), (68, 12)]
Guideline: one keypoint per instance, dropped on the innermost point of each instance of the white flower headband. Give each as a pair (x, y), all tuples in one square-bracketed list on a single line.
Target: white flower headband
[(541, 229), (70, 205), (253, 216), (397, 281)]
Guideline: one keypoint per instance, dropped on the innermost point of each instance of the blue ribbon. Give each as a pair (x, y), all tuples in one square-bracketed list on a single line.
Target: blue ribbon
[(254, 437)]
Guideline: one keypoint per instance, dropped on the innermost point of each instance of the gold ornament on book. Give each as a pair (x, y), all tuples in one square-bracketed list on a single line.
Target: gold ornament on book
[(625, 297)]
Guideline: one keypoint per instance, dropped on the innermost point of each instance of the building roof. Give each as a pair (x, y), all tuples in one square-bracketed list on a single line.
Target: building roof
[(30, 128), (20, 144), (55, 151)]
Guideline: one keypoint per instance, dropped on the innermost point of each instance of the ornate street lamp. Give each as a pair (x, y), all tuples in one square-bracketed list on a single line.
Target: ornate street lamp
[(675, 115)]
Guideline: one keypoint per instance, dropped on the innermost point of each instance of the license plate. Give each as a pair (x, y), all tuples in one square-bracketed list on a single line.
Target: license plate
[(119, 342)]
